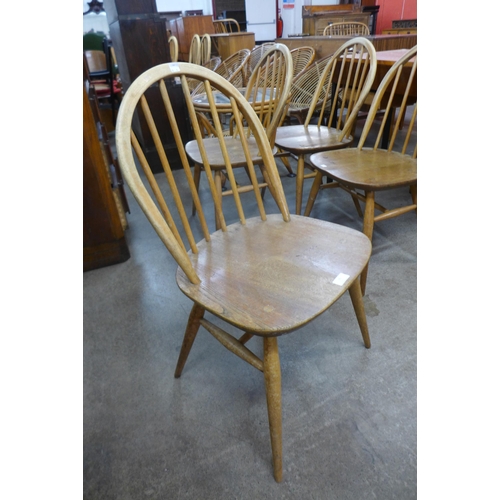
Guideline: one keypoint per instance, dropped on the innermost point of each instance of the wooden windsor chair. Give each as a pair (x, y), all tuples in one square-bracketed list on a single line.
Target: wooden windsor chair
[(265, 275), (268, 92), (205, 49), (195, 50), (346, 29), (173, 45), (372, 167), (341, 72)]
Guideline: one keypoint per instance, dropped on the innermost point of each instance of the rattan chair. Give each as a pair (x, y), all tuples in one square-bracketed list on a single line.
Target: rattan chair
[(263, 276), (226, 26), (346, 29), (372, 167), (302, 58)]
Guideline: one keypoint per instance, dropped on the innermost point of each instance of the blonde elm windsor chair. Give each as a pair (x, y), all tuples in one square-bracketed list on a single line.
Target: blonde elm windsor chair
[(345, 29), (342, 72), (205, 49), (173, 45), (195, 50), (371, 167), (266, 275), (268, 92)]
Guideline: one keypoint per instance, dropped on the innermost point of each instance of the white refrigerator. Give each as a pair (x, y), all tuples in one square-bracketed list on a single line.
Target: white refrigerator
[(261, 19)]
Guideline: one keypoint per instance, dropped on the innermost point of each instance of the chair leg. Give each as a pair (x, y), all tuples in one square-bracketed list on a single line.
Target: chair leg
[(196, 178), (192, 328), (359, 309), (413, 192), (368, 230), (218, 187), (300, 184), (272, 377), (314, 192)]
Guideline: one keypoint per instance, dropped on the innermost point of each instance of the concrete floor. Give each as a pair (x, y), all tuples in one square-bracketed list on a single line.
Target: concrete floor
[(349, 413)]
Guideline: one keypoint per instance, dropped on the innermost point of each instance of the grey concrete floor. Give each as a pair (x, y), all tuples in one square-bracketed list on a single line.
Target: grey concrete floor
[(349, 413)]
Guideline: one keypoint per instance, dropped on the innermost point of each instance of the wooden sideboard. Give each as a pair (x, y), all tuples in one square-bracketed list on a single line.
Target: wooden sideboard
[(315, 18), (226, 44), (184, 28)]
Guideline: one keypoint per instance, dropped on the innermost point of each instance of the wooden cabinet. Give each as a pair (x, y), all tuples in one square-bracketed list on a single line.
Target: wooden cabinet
[(140, 40), (315, 18), (184, 28), (103, 234)]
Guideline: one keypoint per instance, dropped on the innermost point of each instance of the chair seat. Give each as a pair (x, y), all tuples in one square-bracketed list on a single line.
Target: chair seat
[(368, 169), (249, 274), (298, 139), (214, 152)]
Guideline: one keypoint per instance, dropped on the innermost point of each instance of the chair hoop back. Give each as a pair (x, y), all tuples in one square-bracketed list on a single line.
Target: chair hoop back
[(403, 78), (195, 50), (163, 80), (174, 48), (347, 78), (346, 29)]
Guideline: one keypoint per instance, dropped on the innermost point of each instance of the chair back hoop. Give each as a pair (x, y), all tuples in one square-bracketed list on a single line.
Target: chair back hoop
[(173, 45), (271, 76), (195, 50), (205, 49), (302, 58), (346, 29), (162, 79), (213, 63), (347, 78), (396, 94), (227, 25)]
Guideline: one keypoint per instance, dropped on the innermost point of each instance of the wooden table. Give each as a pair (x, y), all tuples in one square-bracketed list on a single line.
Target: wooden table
[(229, 43)]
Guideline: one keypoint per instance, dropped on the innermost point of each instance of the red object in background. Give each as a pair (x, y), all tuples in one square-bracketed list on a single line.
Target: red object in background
[(279, 28)]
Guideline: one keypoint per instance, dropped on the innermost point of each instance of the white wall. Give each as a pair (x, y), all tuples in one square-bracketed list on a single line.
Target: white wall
[(292, 18), (99, 22), (166, 5)]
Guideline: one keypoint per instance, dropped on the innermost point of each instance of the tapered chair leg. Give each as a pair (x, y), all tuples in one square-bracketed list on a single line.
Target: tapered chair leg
[(313, 193), (368, 230), (300, 184), (196, 178), (359, 309), (272, 377), (192, 328)]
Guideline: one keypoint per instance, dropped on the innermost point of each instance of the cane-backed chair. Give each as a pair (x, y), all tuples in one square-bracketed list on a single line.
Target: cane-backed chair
[(346, 29), (195, 50), (268, 92), (256, 55), (302, 58), (371, 168), (265, 275), (342, 72), (173, 45)]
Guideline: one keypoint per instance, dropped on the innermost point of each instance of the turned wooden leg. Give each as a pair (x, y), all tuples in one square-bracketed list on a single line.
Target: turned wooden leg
[(218, 187), (196, 178), (272, 377), (192, 328), (314, 192), (368, 230), (359, 309), (300, 184)]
